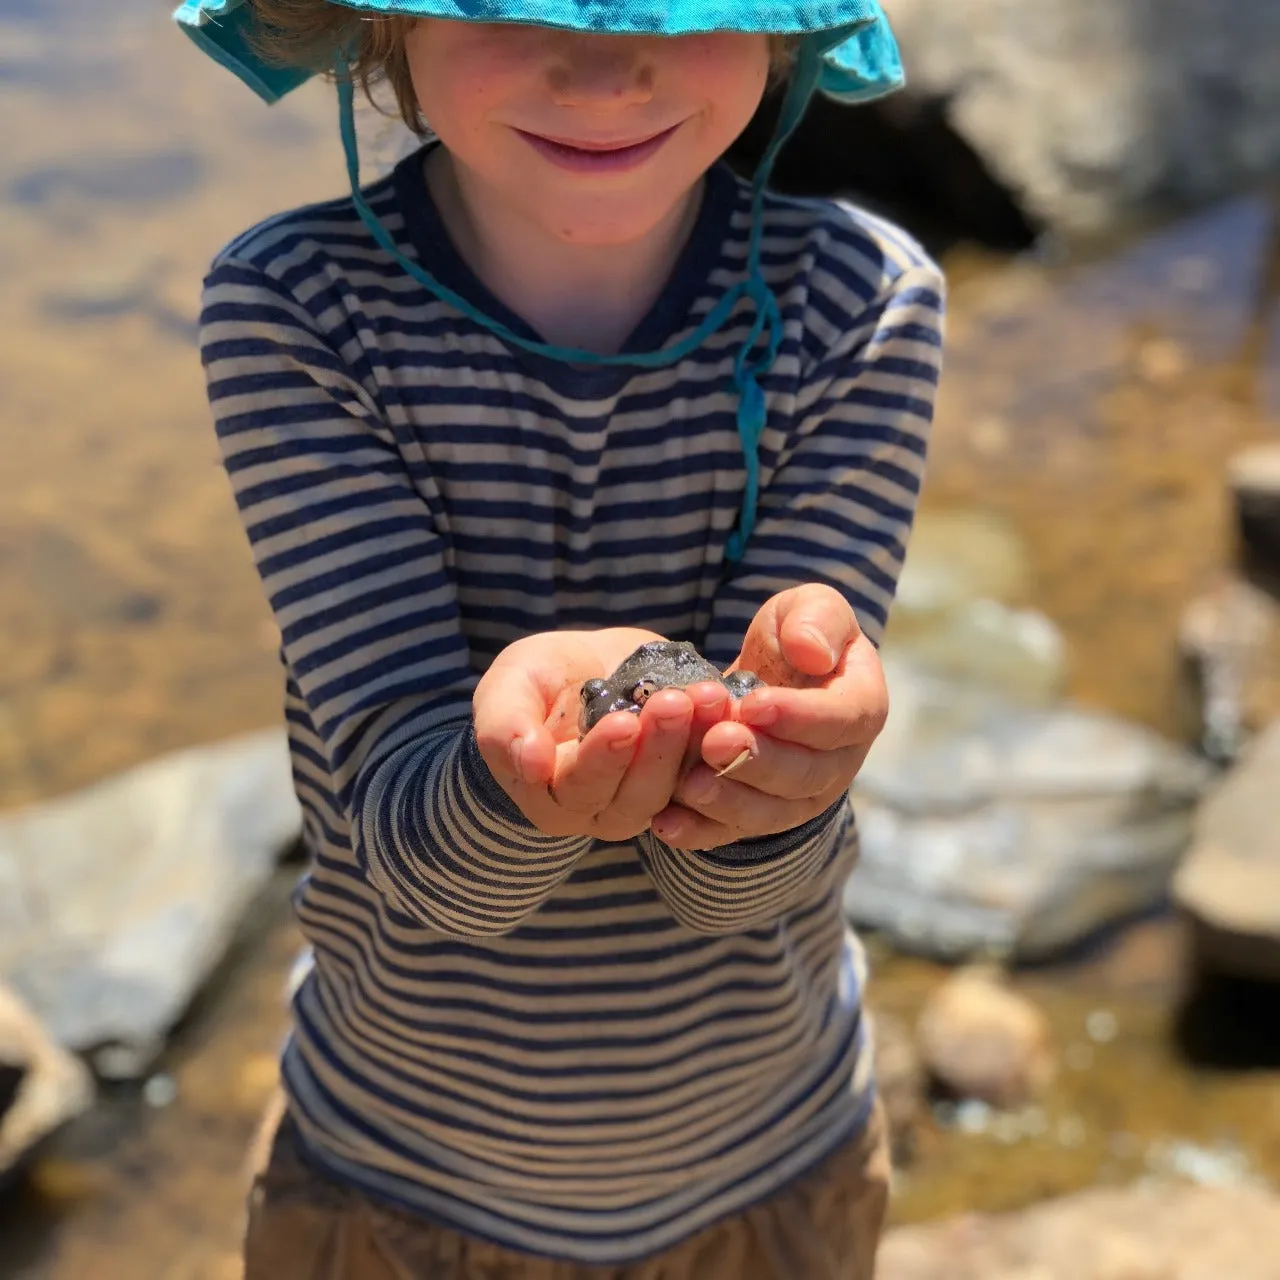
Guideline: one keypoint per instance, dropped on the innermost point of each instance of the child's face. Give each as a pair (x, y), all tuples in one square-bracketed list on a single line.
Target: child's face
[(596, 138)]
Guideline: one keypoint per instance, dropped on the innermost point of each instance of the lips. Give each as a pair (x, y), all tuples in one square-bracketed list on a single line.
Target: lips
[(595, 155)]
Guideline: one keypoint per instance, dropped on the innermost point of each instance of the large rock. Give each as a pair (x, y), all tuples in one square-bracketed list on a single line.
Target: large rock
[(41, 1085), (1138, 1233), (1229, 882), (1095, 110), (990, 827), (117, 901)]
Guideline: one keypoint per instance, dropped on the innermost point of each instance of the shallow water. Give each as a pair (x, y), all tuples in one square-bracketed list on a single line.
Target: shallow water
[(1091, 403)]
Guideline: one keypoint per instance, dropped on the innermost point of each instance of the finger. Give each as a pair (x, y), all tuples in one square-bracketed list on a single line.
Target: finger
[(848, 711), (509, 710), (815, 625), (737, 804), (782, 769), (681, 828), (665, 721), (710, 706), (589, 772)]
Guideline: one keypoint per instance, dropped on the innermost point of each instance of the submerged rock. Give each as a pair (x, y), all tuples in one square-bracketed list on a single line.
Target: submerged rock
[(117, 901), (1229, 883), (1094, 110), (956, 614), (41, 1085), (955, 557), (1147, 1232), (1227, 638), (989, 827), (1016, 653), (982, 1040)]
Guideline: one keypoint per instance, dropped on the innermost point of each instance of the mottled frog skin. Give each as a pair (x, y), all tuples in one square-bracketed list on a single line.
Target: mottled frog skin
[(660, 664)]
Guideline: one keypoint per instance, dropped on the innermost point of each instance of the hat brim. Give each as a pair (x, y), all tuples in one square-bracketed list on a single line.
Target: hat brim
[(860, 58)]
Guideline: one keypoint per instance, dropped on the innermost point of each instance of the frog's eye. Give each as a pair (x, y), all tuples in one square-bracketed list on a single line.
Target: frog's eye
[(643, 691), (592, 689)]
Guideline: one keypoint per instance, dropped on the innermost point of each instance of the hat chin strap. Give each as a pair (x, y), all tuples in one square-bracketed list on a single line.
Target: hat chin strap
[(753, 359)]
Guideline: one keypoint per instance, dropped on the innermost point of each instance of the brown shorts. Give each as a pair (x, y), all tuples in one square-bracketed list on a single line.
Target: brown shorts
[(824, 1226)]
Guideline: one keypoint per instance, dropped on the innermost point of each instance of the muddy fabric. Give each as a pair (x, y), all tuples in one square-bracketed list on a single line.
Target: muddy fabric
[(825, 1226)]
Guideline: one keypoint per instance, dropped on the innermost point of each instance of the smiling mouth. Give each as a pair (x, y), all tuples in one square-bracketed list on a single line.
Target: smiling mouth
[(596, 156)]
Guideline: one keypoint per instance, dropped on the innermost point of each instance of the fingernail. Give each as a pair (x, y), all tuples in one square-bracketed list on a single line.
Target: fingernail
[(672, 718), (669, 829), (706, 694), (815, 634), (517, 754)]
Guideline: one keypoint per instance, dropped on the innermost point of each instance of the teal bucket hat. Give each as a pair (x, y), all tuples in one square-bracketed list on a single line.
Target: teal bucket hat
[(846, 50)]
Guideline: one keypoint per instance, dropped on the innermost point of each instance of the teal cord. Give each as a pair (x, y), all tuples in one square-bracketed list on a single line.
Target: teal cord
[(752, 411)]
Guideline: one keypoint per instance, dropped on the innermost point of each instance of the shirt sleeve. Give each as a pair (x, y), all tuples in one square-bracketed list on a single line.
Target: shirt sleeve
[(837, 509), (344, 530)]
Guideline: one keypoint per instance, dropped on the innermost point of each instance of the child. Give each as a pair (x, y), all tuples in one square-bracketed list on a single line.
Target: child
[(559, 385)]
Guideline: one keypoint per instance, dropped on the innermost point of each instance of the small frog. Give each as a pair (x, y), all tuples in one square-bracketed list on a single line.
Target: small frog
[(660, 664)]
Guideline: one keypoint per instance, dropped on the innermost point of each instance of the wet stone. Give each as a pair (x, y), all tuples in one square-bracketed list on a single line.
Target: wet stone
[(1229, 883), (1229, 638), (984, 1041), (989, 827)]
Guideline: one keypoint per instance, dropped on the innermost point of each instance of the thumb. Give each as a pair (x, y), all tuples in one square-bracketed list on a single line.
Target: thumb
[(801, 632), (816, 626), (509, 709)]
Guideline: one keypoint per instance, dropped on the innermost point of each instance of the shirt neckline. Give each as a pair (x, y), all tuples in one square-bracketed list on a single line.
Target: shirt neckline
[(689, 279)]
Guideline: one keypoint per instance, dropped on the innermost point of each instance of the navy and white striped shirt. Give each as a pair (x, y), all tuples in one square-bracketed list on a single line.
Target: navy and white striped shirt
[(575, 1048)]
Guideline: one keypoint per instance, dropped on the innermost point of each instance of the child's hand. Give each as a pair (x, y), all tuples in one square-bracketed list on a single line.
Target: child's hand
[(623, 772), (807, 735)]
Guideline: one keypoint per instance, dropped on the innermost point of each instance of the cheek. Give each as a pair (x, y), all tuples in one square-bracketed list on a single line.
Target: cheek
[(727, 69), (461, 71)]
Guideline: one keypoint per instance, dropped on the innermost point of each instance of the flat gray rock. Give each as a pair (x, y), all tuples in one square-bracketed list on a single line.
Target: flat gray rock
[(117, 901), (990, 827)]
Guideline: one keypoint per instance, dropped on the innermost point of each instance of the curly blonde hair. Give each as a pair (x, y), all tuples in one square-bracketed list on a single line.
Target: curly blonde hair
[(314, 33)]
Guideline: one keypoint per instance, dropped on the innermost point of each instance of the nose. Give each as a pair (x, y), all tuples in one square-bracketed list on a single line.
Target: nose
[(601, 71)]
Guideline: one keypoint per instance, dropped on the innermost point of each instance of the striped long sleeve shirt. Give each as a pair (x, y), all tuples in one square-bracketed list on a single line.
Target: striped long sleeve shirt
[(575, 1048)]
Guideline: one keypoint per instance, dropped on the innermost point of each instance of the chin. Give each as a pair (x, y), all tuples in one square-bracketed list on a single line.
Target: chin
[(605, 227)]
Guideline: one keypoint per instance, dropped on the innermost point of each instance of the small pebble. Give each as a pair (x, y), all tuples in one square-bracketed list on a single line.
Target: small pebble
[(1222, 1165), (1007, 1128), (1079, 1057), (159, 1091), (1033, 1122), (1071, 1131), (1124, 1146), (973, 1116), (1102, 1026), (945, 1113)]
